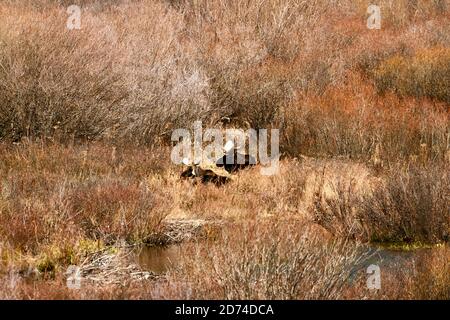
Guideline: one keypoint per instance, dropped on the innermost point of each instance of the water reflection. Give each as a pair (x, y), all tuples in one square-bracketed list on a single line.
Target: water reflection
[(158, 259)]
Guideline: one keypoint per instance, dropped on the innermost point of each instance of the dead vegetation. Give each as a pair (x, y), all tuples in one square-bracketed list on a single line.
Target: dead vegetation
[(85, 123), (112, 268), (407, 205), (270, 261), (47, 225), (183, 230), (139, 69)]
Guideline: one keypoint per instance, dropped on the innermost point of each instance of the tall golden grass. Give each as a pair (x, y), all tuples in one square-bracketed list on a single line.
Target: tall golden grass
[(86, 117), (408, 205)]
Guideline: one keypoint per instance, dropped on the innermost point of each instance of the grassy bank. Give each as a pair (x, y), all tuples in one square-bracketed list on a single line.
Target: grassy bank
[(86, 118), (61, 204)]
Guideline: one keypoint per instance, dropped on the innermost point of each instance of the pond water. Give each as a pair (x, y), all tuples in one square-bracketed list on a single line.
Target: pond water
[(390, 257), (387, 259), (160, 259)]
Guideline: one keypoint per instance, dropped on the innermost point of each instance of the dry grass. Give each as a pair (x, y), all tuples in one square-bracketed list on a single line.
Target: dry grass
[(351, 120), (86, 117), (58, 202), (424, 75), (408, 204), (258, 260), (289, 260), (425, 277), (138, 69)]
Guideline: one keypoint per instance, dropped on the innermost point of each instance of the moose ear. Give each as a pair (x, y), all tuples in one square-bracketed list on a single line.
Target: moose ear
[(228, 146)]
